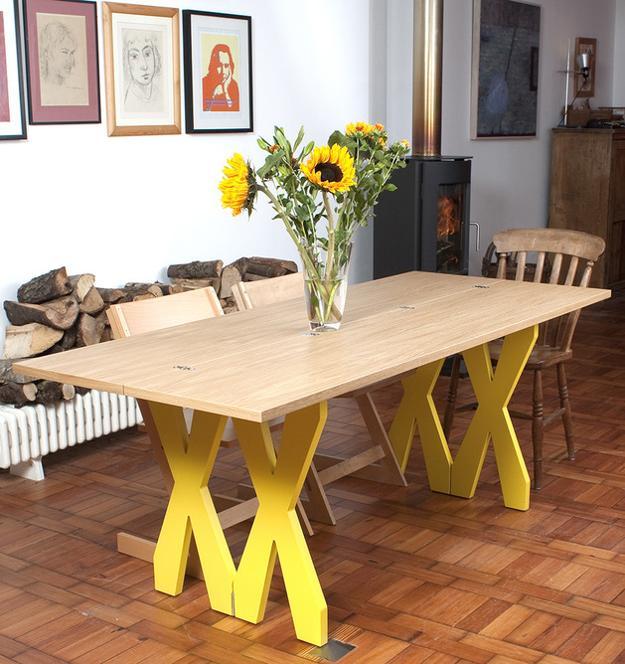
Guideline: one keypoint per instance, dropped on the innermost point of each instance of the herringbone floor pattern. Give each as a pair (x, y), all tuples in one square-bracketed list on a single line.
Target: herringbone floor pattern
[(409, 576)]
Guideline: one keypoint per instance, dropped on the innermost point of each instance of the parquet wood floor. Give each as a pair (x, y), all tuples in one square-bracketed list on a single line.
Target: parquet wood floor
[(409, 576)]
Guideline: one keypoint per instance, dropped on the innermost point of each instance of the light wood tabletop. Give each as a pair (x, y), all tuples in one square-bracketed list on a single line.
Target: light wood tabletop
[(259, 364)]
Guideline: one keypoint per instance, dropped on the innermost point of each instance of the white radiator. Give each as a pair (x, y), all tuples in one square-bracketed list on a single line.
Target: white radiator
[(31, 432)]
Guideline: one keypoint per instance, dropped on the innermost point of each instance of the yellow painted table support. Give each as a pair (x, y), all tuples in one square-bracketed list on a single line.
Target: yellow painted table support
[(493, 390), (276, 529), (417, 409)]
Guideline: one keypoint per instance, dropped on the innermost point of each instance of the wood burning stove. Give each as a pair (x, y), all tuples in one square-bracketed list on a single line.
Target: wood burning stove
[(424, 225)]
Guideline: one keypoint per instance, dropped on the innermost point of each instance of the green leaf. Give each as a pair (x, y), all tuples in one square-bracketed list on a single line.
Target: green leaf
[(262, 144), (336, 137), (391, 187), (271, 161), (281, 140), (299, 139)]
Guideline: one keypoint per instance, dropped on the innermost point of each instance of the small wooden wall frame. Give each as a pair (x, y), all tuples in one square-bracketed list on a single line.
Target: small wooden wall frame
[(586, 87), (142, 69)]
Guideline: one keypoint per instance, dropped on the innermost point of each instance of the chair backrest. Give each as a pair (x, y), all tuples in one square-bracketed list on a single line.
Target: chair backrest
[(130, 318), (570, 256), (253, 294)]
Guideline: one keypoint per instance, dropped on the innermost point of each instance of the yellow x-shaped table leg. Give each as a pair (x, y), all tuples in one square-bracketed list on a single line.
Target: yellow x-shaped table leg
[(417, 410), (191, 458), (276, 528), (493, 390)]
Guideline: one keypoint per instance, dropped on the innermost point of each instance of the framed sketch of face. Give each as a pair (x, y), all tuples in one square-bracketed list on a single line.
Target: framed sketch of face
[(12, 114), (62, 61), (142, 64), (217, 72)]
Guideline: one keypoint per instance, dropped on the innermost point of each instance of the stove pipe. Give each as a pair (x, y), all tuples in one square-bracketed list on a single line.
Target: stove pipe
[(427, 78)]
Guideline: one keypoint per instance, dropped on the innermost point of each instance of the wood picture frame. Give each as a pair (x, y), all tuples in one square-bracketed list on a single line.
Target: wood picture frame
[(586, 88), (142, 69), (505, 69), (12, 102), (217, 72), (62, 67)]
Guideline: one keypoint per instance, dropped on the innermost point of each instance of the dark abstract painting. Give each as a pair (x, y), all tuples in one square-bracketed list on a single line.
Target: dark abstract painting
[(506, 43)]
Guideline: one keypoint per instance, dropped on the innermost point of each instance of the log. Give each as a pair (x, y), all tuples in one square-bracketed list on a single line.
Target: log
[(250, 276), (89, 330), (81, 285), (49, 392), (69, 339), (270, 267), (142, 293), (29, 340), (49, 286), (195, 270), (18, 394), (7, 375), (111, 295), (230, 275), (92, 302), (151, 287), (60, 314), (191, 284)]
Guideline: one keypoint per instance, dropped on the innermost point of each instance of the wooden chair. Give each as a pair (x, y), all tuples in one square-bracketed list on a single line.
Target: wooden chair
[(131, 318), (568, 253), (378, 463)]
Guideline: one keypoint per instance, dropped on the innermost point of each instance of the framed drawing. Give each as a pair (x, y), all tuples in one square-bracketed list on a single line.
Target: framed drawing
[(586, 87), (217, 72), (62, 61), (12, 114), (142, 65), (505, 76)]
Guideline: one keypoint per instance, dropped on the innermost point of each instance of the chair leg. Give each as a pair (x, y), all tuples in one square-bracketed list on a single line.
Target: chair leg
[(537, 428), (452, 395), (567, 418)]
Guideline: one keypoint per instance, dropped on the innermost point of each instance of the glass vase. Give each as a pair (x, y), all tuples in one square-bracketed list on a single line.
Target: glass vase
[(325, 288)]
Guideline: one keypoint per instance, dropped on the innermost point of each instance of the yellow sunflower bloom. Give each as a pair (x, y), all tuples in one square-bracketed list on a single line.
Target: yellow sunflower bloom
[(235, 186), (330, 168), (362, 128)]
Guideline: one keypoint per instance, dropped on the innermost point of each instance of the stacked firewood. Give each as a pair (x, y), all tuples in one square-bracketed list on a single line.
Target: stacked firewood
[(55, 312), (200, 274)]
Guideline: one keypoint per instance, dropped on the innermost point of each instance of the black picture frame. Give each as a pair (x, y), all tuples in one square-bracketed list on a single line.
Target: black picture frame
[(246, 101), (22, 134)]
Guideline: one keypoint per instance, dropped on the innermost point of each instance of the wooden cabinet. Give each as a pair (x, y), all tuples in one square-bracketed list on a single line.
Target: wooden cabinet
[(588, 192)]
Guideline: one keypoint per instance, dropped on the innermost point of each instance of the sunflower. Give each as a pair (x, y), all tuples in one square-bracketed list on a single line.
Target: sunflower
[(236, 192), (331, 168), (359, 128)]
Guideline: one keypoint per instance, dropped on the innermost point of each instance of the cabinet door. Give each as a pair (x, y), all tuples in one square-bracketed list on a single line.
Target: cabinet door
[(616, 239)]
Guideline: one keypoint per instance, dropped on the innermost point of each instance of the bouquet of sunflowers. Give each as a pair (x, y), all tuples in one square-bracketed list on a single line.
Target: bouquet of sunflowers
[(322, 194)]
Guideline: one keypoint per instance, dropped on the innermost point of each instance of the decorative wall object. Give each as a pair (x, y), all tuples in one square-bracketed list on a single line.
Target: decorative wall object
[(62, 61), (506, 43), (218, 72), (586, 86), (12, 115), (142, 65)]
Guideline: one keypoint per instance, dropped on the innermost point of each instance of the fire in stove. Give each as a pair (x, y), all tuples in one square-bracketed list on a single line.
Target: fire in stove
[(448, 219)]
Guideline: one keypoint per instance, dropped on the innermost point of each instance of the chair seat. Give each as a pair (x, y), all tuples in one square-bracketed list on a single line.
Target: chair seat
[(542, 357)]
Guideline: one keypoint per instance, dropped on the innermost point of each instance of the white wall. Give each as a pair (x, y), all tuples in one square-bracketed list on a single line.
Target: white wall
[(124, 208), (619, 54), (510, 177)]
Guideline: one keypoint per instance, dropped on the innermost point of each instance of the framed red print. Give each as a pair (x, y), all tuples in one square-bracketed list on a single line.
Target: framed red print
[(62, 61), (12, 115), (218, 72)]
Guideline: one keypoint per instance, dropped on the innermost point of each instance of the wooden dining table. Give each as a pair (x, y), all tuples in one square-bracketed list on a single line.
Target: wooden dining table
[(256, 365)]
